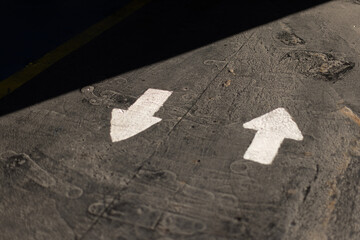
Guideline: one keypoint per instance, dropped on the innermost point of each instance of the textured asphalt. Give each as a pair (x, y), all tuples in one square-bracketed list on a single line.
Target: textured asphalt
[(185, 177)]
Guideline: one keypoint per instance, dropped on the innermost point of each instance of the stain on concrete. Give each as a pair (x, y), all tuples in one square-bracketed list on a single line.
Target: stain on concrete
[(159, 178), (324, 66), (107, 98), (178, 224), (290, 38), (218, 63), (197, 193), (19, 169), (127, 211)]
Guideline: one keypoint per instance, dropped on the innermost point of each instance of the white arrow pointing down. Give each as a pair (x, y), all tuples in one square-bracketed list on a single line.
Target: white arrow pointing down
[(272, 128), (139, 116)]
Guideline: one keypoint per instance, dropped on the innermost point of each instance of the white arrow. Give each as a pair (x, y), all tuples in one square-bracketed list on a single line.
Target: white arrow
[(272, 128), (139, 116)]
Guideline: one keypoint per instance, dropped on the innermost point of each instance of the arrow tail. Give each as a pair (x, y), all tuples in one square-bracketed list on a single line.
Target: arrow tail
[(150, 102), (263, 148)]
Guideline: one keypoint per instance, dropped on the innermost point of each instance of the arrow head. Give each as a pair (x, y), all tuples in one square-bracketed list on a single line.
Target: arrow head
[(271, 128), (139, 116), (278, 122)]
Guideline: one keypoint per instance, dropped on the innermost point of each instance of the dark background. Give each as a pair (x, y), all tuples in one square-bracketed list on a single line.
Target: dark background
[(32, 28)]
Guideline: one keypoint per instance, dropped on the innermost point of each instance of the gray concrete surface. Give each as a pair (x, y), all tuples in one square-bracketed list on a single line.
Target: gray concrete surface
[(185, 177)]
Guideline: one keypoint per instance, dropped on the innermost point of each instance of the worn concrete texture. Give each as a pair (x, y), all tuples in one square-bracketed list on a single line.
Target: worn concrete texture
[(185, 177)]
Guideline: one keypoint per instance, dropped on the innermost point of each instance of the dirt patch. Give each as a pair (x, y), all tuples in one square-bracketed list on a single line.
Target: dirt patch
[(316, 64)]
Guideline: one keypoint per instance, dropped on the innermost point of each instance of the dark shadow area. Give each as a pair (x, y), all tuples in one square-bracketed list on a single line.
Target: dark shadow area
[(30, 29), (158, 31)]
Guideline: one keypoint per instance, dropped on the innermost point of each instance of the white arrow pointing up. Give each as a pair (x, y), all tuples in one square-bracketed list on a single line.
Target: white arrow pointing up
[(272, 128), (139, 116)]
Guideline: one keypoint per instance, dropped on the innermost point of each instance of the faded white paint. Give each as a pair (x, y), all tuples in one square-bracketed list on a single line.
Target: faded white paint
[(271, 128), (139, 116)]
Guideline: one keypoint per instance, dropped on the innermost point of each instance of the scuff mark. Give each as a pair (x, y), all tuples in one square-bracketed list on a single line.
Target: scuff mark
[(350, 114), (308, 188), (306, 192), (333, 193)]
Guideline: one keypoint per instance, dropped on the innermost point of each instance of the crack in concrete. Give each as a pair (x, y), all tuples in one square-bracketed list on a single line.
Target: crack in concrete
[(210, 83)]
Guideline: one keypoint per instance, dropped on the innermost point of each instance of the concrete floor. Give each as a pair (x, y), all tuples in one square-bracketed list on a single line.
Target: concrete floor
[(186, 177)]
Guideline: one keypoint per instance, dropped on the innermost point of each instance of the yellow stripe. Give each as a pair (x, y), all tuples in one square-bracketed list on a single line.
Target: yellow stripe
[(33, 69)]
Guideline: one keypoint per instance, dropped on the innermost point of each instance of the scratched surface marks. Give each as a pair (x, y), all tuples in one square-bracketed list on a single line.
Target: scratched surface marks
[(185, 177)]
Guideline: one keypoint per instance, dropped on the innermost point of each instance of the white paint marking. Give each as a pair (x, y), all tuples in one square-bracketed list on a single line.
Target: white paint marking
[(139, 116), (271, 128)]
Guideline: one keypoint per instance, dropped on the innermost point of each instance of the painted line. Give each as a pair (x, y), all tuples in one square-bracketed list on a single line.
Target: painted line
[(139, 116), (272, 128), (350, 114), (16, 80)]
